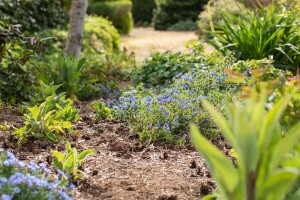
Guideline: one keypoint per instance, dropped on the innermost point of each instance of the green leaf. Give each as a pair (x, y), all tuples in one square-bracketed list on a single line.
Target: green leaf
[(221, 168), (59, 156), (284, 146), (84, 154)]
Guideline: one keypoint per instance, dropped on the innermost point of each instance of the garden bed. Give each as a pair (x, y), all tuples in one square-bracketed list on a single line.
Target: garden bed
[(123, 168)]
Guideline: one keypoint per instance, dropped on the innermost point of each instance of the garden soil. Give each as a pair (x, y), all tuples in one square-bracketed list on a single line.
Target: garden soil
[(123, 168)]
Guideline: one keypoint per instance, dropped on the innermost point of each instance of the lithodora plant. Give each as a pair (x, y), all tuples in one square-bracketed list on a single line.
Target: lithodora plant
[(49, 121), (267, 166), (20, 180)]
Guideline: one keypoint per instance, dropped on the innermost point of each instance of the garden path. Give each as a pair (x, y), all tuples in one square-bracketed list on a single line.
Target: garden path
[(144, 41)]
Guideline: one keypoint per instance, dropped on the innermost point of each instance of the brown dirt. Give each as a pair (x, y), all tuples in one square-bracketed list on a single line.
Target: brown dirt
[(123, 168)]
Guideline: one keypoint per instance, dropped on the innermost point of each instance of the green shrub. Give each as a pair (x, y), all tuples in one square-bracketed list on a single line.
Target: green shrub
[(48, 121), (160, 68), (100, 36), (268, 32), (187, 25), (164, 113), (20, 180), (35, 15), (170, 12), (17, 53), (267, 166), (65, 73), (211, 14), (142, 10), (119, 12)]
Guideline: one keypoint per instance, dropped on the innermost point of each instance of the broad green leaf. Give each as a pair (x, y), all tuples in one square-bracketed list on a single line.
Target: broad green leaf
[(84, 154), (277, 184), (290, 140), (60, 157), (223, 171)]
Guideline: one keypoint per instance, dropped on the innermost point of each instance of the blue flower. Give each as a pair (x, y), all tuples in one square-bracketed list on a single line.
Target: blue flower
[(44, 168), (205, 121), (6, 197), (166, 113), (167, 127), (33, 166), (213, 74), (133, 105), (177, 118), (60, 172), (185, 86), (219, 79), (64, 195), (159, 124), (17, 190), (72, 186), (149, 109)]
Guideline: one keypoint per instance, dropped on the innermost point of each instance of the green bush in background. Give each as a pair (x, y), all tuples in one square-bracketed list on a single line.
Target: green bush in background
[(161, 68), (170, 12), (35, 15), (99, 36), (142, 10), (119, 12)]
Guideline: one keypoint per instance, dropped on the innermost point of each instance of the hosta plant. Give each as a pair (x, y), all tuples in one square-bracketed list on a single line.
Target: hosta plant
[(266, 165), (48, 121), (70, 161)]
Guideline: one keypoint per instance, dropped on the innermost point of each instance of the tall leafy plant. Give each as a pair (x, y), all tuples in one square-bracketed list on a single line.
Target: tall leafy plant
[(267, 32), (66, 73), (266, 168)]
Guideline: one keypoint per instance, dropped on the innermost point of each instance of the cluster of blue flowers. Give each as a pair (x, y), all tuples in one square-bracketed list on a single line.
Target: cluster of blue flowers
[(166, 111), (32, 181)]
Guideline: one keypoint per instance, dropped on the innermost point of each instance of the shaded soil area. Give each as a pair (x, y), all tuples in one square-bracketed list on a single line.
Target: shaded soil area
[(123, 168)]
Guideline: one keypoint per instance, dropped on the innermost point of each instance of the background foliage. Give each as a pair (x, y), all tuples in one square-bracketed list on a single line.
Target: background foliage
[(171, 12), (119, 12), (35, 15)]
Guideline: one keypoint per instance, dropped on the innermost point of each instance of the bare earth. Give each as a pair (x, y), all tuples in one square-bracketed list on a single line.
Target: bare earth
[(144, 41), (123, 168)]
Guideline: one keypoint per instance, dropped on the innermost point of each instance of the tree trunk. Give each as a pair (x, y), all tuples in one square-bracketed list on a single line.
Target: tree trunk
[(75, 36)]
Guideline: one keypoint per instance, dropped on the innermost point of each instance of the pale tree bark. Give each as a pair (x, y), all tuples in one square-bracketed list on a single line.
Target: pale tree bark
[(75, 36)]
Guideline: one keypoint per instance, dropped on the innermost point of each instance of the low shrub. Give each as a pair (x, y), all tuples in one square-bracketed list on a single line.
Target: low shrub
[(170, 12), (35, 15), (164, 113), (187, 25), (268, 32), (100, 36), (20, 180), (119, 12), (160, 68), (142, 11), (66, 73), (210, 18), (17, 53), (48, 121)]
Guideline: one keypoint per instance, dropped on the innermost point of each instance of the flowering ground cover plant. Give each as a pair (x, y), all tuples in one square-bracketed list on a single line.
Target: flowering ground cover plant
[(164, 113), (19, 180)]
